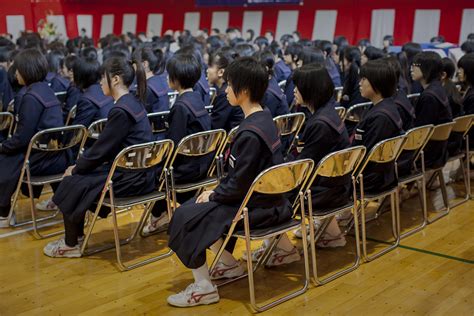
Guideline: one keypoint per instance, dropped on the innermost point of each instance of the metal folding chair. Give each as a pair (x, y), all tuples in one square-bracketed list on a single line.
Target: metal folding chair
[(385, 151), (289, 127), (278, 179), (158, 121), (172, 96), (212, 94), (50, 141), (338, 93), (416, 140), (61, 95), (71, 115), (222, 157), (192, 146), (413, 98), (209, 108), (341, 111), (133, 158), (282, 85), (96, 128), (440, 133), (11, 106), (463, 125), (6, 123), (357, 112), (336, 164)]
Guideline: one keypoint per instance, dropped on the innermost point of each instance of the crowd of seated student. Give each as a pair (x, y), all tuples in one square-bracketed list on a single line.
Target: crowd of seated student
[(135, 78)]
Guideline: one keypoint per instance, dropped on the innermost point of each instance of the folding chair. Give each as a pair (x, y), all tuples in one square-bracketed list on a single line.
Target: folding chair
[(417, 138), (357, 112), (282, 85), (463, 125), (172, 96), (413, 98), (96, 128), (158, 121), (224, 152), (338, 93), (53, 140), (192, 146), (61, 95), (336, 164), (341, 111), (385, 151), (278, 179), (6, 123), (289, 127), (440, 133), (133, 158), (212, 94), (209, 108), (71, 115)]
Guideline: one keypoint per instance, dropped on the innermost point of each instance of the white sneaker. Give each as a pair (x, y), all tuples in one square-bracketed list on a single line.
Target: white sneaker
[(317, 226), (4, 223), (223, 271), (46, 206), (195, 294), (280, 257), (156, 224), (59, 249), (329, 241), (256, 254)]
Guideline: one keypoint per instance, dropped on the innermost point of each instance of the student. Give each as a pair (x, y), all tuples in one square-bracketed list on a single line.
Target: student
[(54, 79), (274, 99), (187, 116), (73, 92), (127, 124), (281, 69), (466, 76), (290, 57), (371, 53), (409, 51), (388, 41), (223, 114), (455, 98), (351, 65), (433, 104), (157, 86), (39, 110), (200, 223), (201, 86), (378, 83), (326, 47)]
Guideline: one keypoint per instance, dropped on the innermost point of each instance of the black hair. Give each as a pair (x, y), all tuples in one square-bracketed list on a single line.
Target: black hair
[(286, 39), (438, 39), (468, 47), (86, 72), (395, 64), (214, 43), (247, 74), (389, 38), (267, 59), (365, 42), (145, 53), (32, 65), (69, 61), (5, 54), (373, 53), (467, 64), (184, 69), (381, 76), (405, 57), (341, 41), (470, 37), (430, 65), (325, 46), (216, 30), (450, 69), (222, 58), (261, 42), (294, 51), (236, 41), (314, 84), (122, 67), (54, 59), (309, 55), (89, 53), (352, 54), (244, 50), (305, 42)]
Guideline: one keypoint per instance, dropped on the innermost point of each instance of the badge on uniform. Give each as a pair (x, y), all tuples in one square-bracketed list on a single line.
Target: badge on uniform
[(232, 161)]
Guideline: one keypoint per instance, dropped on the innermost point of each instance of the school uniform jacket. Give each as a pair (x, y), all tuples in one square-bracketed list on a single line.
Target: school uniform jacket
[(157, 95), (223, 114), (127, 124), (195, 227), (290, 90), (282, 71), (57, 82), (405, 109), (274, 99), (6, 90), (333, 72), (93, 105), (202, 87), (381, 122)]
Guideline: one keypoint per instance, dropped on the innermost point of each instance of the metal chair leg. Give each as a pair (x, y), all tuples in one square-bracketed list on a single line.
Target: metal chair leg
[(444, 211)]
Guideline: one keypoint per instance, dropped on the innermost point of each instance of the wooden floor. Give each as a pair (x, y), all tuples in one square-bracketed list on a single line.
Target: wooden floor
[(432, 272)]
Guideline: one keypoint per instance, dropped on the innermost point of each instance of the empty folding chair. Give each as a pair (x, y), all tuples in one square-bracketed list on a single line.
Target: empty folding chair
[(440, 133), (386, 151), (289, 127), (341, 111), (213, 94), (141, 158), (172, 96), (417, 138), (192, 146), (336, 164), (71, 115), (159, 121), (6, 123), (278, 179), (54, 140)]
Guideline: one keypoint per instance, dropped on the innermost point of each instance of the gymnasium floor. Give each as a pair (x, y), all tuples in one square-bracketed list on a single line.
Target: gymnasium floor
[(432, 272)]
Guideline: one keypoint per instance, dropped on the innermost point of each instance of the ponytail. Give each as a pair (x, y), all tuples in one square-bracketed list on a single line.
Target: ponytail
[(141, 82)]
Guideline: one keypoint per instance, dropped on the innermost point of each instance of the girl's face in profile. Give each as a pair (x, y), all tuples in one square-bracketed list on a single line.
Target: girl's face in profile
[(212, 74), (461, 75), (231, 97), (298, 97), (105, 85), (366, 89), (20, 79), (416, 73)]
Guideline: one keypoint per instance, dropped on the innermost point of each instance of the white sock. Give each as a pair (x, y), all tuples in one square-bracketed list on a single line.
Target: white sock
[(201, 276), (285, 243), (227, 258)]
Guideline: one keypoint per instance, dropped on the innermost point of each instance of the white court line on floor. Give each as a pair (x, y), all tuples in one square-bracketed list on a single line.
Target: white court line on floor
[(21, 231)]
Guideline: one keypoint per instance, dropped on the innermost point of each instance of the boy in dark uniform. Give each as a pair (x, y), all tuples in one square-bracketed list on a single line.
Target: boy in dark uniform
[(466, 75), (127, 124), (39, 110), (200, 223)]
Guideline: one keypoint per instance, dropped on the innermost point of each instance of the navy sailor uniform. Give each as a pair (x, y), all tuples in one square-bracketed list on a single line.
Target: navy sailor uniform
[(223, 114)]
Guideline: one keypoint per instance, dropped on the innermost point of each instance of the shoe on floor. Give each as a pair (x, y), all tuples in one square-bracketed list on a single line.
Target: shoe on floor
[(329, 241), (223, 271), (195, 294), (4, 223), (280, 257), (156, 224), (317, 226), (256, 254), (46, 206), (59, 249)]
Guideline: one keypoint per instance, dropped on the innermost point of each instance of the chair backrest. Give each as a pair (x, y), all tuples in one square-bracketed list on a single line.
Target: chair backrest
[(289, 124), (11, 106), (96, 128), (462, 124), (228, 140), (158, 121), (212, 94), (441, 132), (209, 108), (61, 95), (413, 98), (338, 93), (282, 84), (357, 112), (6, 122), (71, 115), (172, 96), (341, 111), (418, 137)]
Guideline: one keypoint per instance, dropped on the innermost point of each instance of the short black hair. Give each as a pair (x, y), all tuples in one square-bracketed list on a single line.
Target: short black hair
[(325, 46), (381, 76), (69, 61), (468, 47), (86, 73), (309, 55), (244, 49), (467, 64), (395, 64), (448, 67), (54, 59), (389, 38), (32, 65), (222, 58), (365, 42), (146, 53), (184, 69), (373, 53), (430, 65), (267, 59), (314, 84), (247, 74)]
